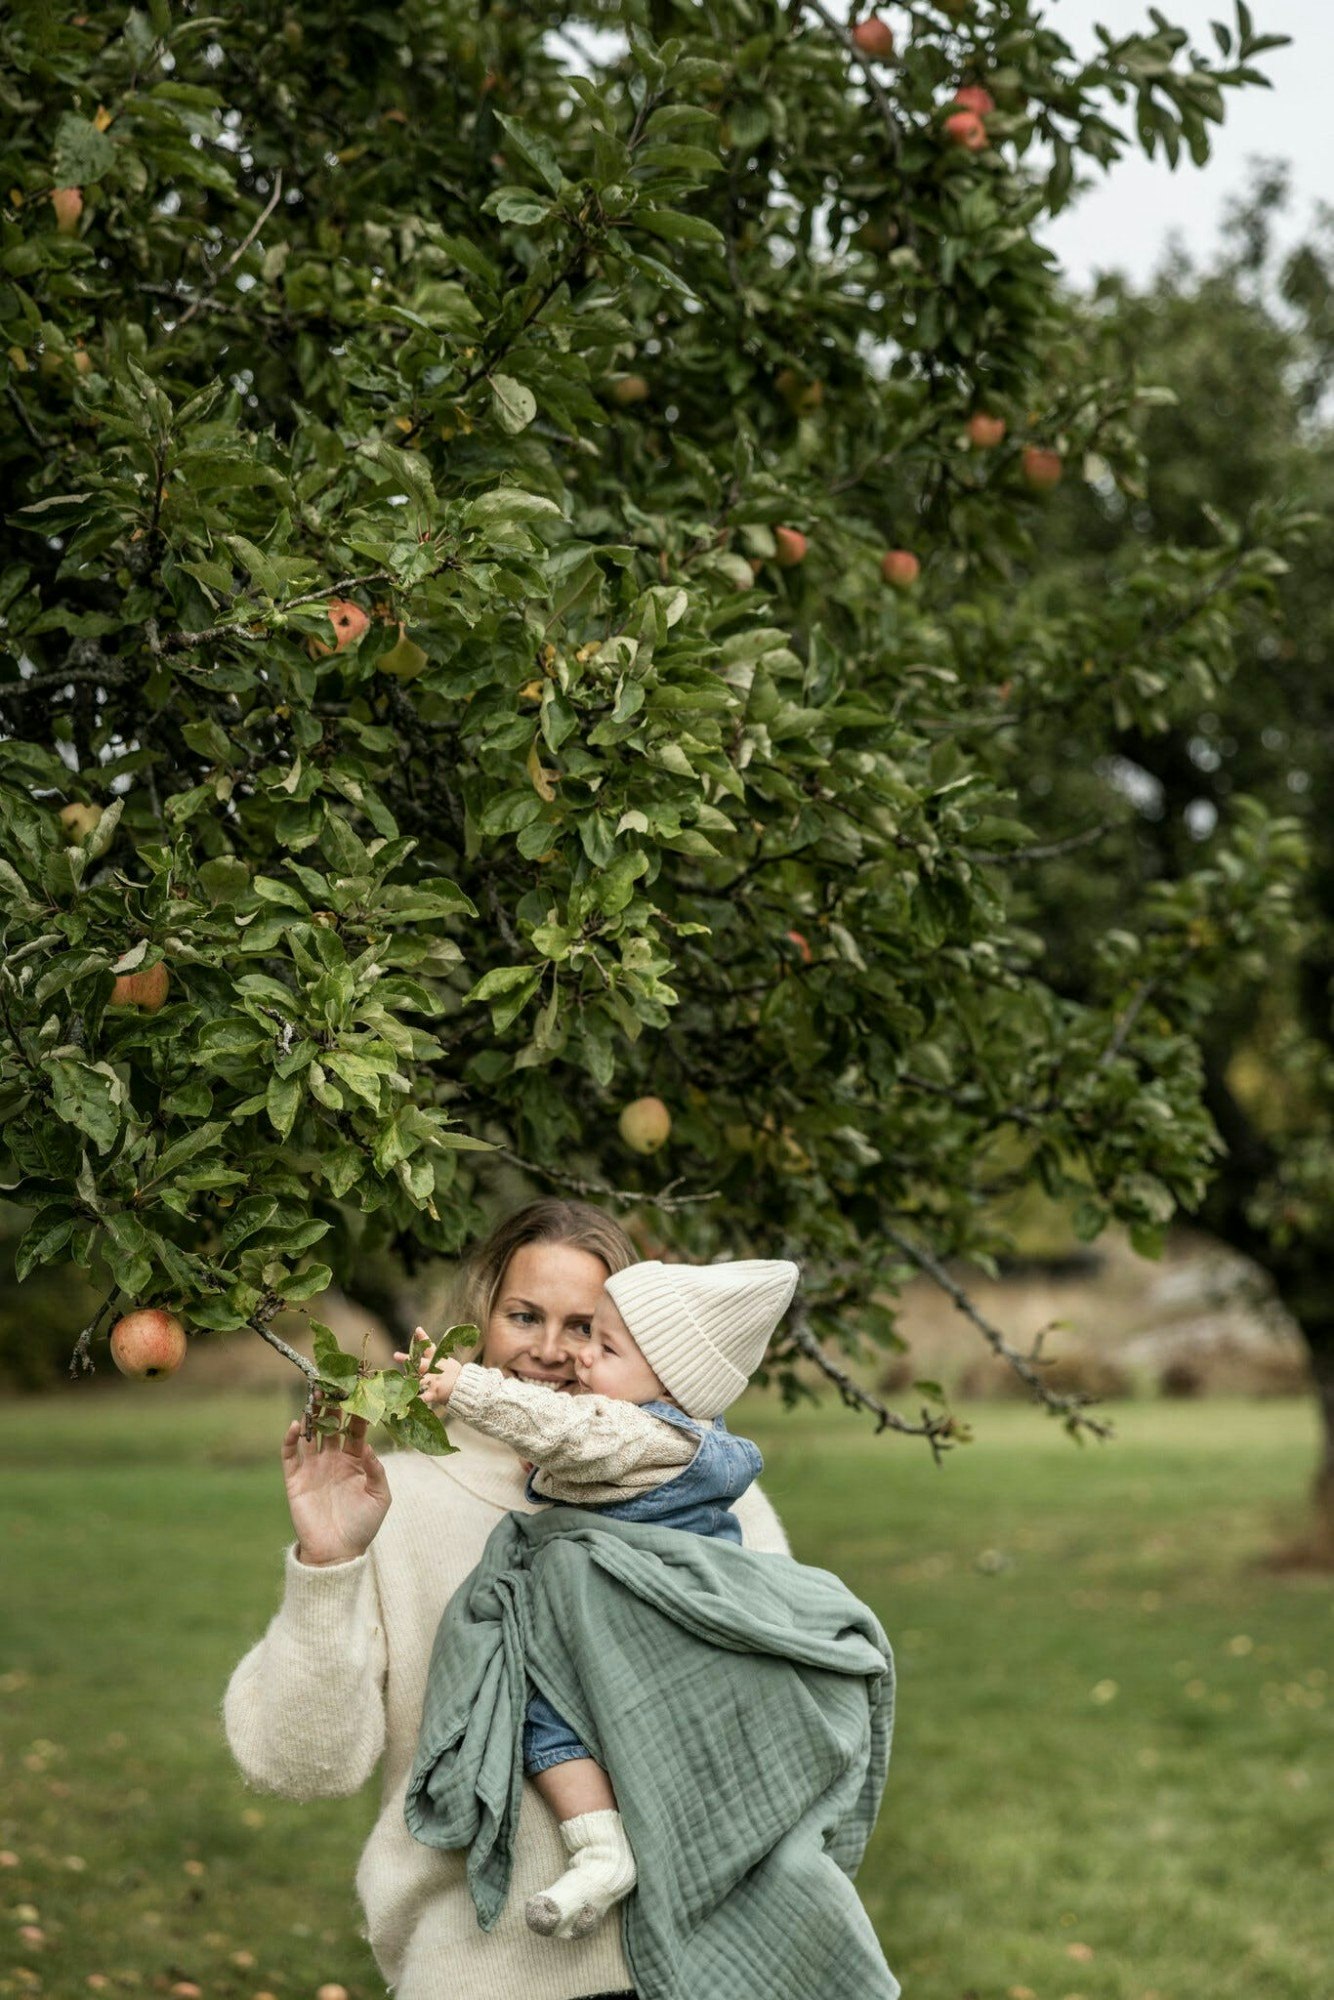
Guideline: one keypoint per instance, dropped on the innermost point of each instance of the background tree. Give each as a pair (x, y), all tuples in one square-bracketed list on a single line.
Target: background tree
[(1242, 346), (519, 551)]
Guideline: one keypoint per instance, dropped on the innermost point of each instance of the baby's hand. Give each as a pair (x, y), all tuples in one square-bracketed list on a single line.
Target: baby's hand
[(435, 1383)]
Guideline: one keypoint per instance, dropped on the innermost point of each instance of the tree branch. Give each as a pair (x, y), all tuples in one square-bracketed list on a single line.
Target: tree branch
[(1069, 1406), (873, 83), (939, 1429), (1048, 851), (630, 1197), (237, 253)]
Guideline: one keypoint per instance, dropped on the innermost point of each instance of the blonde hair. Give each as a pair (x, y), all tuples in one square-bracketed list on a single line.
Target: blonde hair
[(549, 1220)]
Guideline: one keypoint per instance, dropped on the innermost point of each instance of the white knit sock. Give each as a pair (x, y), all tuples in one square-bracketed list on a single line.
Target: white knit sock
[(601, 1873)]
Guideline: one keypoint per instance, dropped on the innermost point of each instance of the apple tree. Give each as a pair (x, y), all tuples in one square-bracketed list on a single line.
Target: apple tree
[(518, 543)]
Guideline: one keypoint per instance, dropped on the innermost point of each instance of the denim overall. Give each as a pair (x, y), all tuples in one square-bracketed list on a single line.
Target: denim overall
[(697, 1499)]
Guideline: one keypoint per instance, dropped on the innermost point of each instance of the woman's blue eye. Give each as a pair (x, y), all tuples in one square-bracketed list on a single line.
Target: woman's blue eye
[(523, 1315)]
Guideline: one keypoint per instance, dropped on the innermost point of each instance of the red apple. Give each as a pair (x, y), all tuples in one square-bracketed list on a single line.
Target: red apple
[(349, 622), (973, 98), (142, 989), (874, 37), (900, 568), (965, 128), (68, 205), (148, 1343), (1041, 467), (627, 389), (985, 432), (791, 547)]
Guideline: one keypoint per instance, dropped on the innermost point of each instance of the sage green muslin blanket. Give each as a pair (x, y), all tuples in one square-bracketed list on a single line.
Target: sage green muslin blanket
[(742, 1705)]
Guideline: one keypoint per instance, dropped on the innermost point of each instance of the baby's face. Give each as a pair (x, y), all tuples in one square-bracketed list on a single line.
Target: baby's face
[(609, 1364)]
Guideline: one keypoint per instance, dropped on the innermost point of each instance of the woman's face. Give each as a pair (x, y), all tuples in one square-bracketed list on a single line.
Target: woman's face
[(542, 1313)]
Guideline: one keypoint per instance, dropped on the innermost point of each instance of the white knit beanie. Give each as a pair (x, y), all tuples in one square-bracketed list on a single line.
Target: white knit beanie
[(703, 1328)]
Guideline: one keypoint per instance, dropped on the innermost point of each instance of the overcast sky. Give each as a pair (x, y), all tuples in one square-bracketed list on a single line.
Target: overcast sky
[(1126, 218)]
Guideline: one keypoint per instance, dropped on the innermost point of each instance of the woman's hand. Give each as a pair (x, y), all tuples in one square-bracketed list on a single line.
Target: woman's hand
[(337, 1492)]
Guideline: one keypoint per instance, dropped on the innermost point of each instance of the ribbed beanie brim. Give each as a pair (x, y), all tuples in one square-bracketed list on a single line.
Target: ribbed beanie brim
[(703, 1328)]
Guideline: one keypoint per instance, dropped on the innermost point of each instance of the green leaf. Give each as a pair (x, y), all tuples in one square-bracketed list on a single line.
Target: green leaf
[(675, 227), (307, 1284), (87, 1095), (82, 153), (283, 1099), (516, 406), (533, 148)]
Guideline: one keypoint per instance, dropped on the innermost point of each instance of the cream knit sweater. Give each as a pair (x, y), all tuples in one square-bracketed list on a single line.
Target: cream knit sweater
[(335, 1687)]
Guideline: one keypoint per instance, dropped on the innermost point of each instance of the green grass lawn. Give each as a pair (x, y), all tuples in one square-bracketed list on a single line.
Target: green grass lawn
[(1112, 1764)]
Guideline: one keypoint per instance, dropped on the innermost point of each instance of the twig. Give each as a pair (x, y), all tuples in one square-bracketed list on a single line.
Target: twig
[(108, 676), (242, 631), (508, 934), (1127, 1022), (238, 252), (20, 411), (873, 83), (1069, 1405), (81, 1358), (1046, 852), (632, 1197), (939, 1430), (1014, 1114)]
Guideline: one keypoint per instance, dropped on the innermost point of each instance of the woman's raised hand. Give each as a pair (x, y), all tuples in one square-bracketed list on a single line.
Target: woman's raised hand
[(337, 1492)]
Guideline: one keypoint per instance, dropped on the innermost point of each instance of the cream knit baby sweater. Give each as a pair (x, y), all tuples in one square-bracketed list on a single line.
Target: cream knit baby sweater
[(335, 1688)]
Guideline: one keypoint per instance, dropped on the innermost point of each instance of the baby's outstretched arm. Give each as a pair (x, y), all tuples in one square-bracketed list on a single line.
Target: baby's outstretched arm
[(588, 1440)]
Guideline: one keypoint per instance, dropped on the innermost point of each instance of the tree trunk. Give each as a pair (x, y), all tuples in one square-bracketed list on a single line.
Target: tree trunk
[(1322, 1490), (1302, 1278)]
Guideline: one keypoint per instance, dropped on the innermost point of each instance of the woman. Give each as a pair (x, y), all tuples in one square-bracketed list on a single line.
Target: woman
[(336, 1683)]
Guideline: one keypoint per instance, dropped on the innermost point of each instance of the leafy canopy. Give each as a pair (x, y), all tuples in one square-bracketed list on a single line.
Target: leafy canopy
[(406, 423)]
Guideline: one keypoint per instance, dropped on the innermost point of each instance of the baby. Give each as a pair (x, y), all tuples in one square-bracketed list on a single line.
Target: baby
[(641, 1439)]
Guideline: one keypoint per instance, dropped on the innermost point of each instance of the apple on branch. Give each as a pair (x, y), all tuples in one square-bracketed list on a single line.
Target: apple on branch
[(985, 432), (1041, 467), (68, 205), (874, 38), (900, 568), (965, 129), (645, 1124), (350, 623), (147, 990), (148, 1343), (78, 821)]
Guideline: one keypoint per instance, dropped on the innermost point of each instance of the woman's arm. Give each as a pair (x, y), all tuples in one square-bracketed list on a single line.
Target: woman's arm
[(303, 1713)]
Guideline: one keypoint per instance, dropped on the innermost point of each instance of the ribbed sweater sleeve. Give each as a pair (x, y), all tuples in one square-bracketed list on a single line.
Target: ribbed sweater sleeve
[(591, 1442), (303, 1713)]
